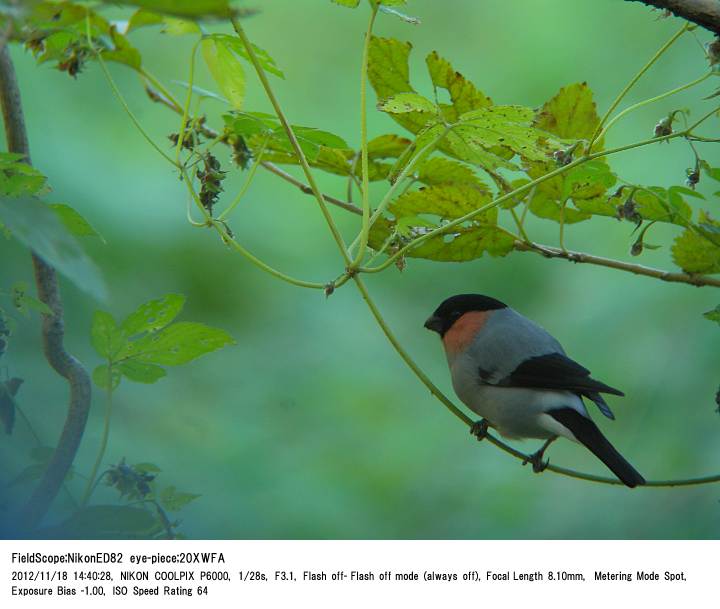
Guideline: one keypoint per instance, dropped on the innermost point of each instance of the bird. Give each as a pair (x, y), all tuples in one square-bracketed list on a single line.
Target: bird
[(517, 377)]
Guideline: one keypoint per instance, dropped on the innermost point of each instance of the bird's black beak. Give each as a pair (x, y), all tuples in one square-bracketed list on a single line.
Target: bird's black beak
[(435, 324)]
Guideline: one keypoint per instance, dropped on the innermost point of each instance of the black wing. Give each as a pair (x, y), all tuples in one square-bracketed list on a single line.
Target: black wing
[(557, 371)]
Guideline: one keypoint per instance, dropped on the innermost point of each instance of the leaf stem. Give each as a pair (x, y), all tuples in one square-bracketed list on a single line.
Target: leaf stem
[(293, 140), (89, 487), (364, 164), (188, 99), (634, 80), (657, 98)]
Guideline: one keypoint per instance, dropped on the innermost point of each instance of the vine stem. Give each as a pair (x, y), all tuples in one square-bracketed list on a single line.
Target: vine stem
[(364, 164), (89, 487), (53, 326), (657, 98), (246, 185), (526, 187), (293, 140), (186, 106), (634, 80)]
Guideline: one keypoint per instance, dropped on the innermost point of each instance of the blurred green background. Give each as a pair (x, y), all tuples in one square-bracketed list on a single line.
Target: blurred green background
[(311, 426)]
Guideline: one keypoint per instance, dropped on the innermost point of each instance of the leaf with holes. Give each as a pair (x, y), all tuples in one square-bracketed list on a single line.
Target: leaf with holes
[(153, 315), (448, 201), (464, 96), (140, 372), (402, 103)]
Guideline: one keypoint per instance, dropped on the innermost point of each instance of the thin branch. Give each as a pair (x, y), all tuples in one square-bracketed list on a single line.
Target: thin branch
[(637, 269), (706, 13), (53, 329), (272, 168)]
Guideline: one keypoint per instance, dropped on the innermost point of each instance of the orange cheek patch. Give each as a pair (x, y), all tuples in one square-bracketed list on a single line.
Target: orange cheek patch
[(462, 332)]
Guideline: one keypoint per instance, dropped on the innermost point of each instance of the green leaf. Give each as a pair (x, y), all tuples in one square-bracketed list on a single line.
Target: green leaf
[(347, 3), (713, 315), (105, 377), (122, 51), (439, 170), (140, 372), (544, 206), (389, 74), (225, 69), (233, 42), (464, 95), (146, 468), (571, 114), (173, 500), (402, 103), (73, 221), (387, 146), (37, 227), (170, 25), (18, 179), (505, 127), (694, 253), (104, 522), (448, 201), (40, 457), (182, 8), (153, 315), (177, 344), (107, 338)]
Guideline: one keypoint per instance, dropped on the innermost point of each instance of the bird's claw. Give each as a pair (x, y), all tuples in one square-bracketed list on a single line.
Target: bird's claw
[(538, 465), (479, 429)]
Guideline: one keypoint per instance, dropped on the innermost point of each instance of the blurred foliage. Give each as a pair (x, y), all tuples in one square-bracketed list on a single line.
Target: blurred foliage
[(337, 446)]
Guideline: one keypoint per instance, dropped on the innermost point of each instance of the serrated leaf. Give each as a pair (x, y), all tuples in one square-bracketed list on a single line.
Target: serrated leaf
[(177, 344), (387, 146), (464, 95), (570, 114), (225, 69), (439, 170), (713, 315), (169, 25), (153, 315), (73, 221), (694, 253), (107, 338), (106, 377), (505, 127), (448, 201), (140, 372), (389, 74), (37, 227), (402, 103), (233, 42), (173, 500)]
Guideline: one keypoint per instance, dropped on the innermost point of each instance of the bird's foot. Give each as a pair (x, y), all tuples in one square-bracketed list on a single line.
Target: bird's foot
[(538, 465), (479, 429)]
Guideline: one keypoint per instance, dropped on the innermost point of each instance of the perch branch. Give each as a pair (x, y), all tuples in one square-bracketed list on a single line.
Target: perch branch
[(53, 329), (706, 13), (637, 269)]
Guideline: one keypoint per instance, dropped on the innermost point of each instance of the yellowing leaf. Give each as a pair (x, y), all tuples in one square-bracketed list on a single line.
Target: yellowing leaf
[(226, 70), (439, 170), (694, 253), (464, 95), (402, 103), (448, 201), (571, 114)]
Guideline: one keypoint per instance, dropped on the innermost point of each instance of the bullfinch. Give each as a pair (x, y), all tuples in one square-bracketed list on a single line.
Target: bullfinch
[(511, 372)]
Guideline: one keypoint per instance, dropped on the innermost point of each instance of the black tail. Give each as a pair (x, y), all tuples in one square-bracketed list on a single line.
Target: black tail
[(591, 437)]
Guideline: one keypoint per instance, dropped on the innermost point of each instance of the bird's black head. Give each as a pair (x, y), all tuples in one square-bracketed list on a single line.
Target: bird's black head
[(456, 306)]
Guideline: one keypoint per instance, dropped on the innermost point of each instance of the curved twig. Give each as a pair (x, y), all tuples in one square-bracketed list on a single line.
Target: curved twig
[(53, 329)]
